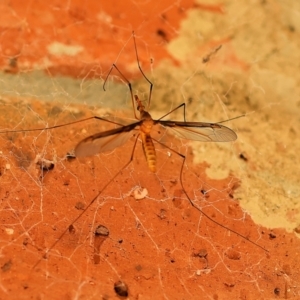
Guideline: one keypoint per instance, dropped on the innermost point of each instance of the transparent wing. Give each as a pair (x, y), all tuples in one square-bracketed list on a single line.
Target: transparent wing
[(105, 141), (200, 131)]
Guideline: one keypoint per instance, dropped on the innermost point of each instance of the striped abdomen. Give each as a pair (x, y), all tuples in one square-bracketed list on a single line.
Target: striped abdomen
[(149, 151)]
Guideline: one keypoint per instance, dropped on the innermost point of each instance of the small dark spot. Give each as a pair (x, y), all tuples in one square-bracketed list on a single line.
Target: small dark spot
[(229, 284), (54, 111), (80, 205), (13, 62), (72, 229), (25, 286), (120, 241), (277, 291), (25, 241), (291, 28), (243, 157), (297, 229), (205, 193), (172, 260), (6, 267), (164, 17), (12, 65), (121, 289), (173, 181), (138, 267), (272, 236), (70, 156), (162, 34)]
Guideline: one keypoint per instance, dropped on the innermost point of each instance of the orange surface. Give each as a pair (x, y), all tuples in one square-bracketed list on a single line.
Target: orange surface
[(154, 243)]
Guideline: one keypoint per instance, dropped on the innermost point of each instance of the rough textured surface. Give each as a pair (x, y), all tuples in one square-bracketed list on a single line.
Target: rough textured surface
[(158, 246)]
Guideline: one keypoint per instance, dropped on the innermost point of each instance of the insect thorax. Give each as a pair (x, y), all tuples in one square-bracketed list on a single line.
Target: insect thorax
[(147, 123)]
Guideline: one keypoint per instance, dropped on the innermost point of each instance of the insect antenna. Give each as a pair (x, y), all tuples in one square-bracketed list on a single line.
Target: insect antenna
[(141, 70), (114, 66)]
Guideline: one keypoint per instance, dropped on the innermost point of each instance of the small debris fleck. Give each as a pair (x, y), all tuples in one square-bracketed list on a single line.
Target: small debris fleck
[(45, 164), (243, 157), (6, 267), (232, 254), (207, 58), (297, 229), (80, 205), (121, 289), (202, 253), (72, 229), (101, 234), (140, 193), (277, 291), (9, 231)]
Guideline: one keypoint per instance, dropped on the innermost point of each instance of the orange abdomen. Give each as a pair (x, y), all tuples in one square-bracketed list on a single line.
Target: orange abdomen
[(149, 151)]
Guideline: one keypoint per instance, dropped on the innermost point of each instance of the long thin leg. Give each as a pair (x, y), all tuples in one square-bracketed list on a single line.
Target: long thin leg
[(62, 125), (89, 205), (182, 104), (128, 83), (241, 116), (198, 208)]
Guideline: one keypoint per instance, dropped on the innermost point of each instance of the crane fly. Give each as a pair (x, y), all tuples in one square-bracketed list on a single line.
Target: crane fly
[(110, 139), (113, 138)]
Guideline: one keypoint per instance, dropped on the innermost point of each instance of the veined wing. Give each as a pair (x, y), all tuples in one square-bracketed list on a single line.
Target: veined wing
[(200, 131), (105, 141)]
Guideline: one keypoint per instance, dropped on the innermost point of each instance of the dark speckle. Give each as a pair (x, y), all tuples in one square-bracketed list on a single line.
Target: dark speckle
[(277, 291), (121, 289), (6, 267)]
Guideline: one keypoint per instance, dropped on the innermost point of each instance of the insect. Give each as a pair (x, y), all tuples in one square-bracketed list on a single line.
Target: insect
[(113, 138)]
